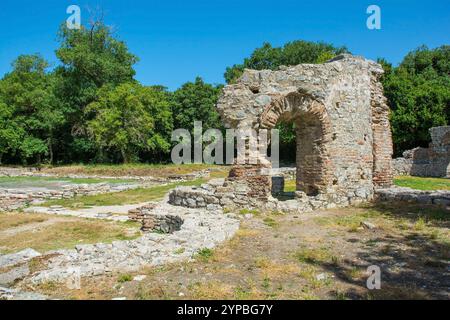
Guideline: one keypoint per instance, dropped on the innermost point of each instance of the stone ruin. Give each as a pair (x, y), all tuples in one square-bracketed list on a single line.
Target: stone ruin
[(427, 162), (163, 223), (344, 142)]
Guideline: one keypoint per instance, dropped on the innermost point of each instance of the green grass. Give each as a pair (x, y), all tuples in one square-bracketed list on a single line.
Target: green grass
[(138, 169), (420, 183), (119, 198), (270, 222), (205, 254), (44, 180), (290, 185), (248, 211), (125, 278)]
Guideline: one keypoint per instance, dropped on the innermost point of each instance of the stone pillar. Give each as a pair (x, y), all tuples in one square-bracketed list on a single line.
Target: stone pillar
[(382, 137)]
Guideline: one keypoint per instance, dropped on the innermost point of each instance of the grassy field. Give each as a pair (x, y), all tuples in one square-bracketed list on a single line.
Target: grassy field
[(133, 196), (418, 183), (43, 232), (154, 170)]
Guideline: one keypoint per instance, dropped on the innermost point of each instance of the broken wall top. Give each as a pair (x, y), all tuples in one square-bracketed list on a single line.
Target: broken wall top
[(242, 103)]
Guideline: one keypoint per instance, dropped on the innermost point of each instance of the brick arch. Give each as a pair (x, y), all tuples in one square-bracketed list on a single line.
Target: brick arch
[(313, 133)]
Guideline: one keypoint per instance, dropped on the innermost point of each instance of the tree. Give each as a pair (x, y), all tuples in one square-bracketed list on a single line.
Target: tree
[(31, 107), (196, 101), (418, 92), (10, 132), (91, 58), (130, 119), (292, 53)]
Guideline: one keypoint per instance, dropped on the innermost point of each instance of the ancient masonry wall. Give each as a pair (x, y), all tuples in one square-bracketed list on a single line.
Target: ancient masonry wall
[(344, 143), (427, 162)]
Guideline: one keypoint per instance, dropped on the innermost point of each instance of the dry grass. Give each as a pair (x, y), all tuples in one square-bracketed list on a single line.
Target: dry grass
[(212, 291), (13, 220), (273, 269), (66, 234)]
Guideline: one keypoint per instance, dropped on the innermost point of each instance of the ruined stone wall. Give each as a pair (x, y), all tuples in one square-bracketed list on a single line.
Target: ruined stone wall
[(427, 162), (343, 136), (344, 143)]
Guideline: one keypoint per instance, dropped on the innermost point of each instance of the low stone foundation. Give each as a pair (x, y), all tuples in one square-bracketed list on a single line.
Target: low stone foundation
[(155, 222), (14, 198), (238, 195), (439, 197)]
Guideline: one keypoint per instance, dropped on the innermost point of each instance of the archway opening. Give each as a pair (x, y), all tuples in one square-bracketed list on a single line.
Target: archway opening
[(312, 134)]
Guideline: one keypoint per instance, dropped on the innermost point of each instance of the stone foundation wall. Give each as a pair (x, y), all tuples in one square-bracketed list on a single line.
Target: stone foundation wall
[(12, 199), (164, 223), (235, 195), (439, 197), (344, 143)]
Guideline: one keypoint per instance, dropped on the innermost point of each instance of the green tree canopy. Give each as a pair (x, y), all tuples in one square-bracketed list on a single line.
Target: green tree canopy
[(292, 53), (30, 107), (130, 119), (196, 101), (418, 91), (91, 58)]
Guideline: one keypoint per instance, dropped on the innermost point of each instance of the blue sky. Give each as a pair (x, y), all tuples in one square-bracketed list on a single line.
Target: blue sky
[(179, 40)]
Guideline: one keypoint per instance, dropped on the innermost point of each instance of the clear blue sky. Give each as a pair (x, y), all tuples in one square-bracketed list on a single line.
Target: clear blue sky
[(178, 40)]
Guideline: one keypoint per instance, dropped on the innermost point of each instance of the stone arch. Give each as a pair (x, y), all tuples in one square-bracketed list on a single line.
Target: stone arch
[(313, 133)]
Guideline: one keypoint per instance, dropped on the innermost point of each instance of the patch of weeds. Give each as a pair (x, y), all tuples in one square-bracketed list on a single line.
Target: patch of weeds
[(354, 273), (48, 286), (340, 295), (266, 283), (205, 254), (420, 224), (314, 255), (179, 251), (241, 293), (270, 222), (277, 213), (254, 212), (125, 278)]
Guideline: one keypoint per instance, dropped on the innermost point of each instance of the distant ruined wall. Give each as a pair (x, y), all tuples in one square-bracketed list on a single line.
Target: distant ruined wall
[(427, 162)]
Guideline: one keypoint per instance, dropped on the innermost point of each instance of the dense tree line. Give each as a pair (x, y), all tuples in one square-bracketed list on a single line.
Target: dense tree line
[(418, 91), (91, 109)]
